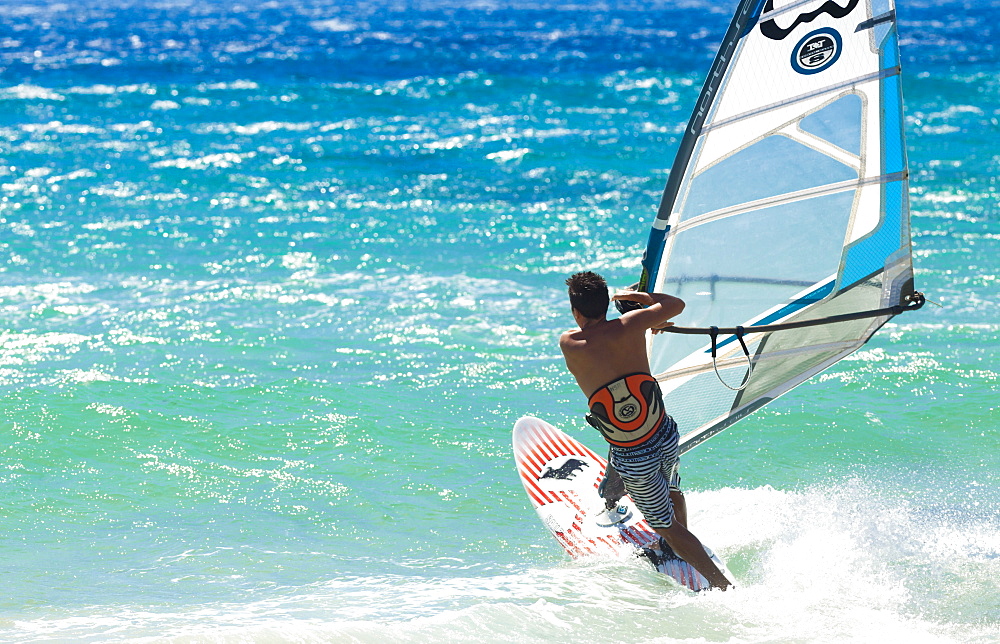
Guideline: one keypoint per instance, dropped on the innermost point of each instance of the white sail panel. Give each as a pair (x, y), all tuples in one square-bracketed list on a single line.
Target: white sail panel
[(787, 202)]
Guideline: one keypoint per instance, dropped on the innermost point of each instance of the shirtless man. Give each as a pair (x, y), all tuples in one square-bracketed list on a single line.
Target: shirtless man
[(608, 359)]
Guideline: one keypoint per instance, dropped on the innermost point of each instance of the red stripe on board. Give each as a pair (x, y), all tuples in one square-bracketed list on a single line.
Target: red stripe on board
[(539, 457), (695, 578), (587, 546), (573, 446), (592, 454), (547, 430), (641, 537), (546, 449), (529, 457), (567, 443), (534, 436), (616, 546), (579, 541), (565, 543), (575, 549), (677, 573), (556, 446), (538, 494), (582, 449), (579, 510), (531, 437), (525, 467), (550, 444), (628, 536), (534, 463), (685, 574), (583, 543), (537, 501), (526, 473), (642, 528), (544, 434), (575, 546)]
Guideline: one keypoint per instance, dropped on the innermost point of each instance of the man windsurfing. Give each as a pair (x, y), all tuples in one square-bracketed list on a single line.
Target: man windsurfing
[(609, 361)]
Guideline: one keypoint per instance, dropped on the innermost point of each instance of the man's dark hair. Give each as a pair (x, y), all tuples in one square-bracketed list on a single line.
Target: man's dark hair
[(588, 294)]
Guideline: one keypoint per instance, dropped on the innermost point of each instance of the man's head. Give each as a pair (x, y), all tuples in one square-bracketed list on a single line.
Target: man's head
[(588, 294)]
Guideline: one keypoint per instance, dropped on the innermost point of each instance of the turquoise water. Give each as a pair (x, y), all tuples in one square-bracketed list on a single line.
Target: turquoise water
[(276, 281)]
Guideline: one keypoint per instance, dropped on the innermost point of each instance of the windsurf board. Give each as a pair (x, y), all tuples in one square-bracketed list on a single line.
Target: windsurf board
[(562, 476)]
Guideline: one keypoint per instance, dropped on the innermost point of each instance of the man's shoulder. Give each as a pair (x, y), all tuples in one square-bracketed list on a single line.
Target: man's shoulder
[(566, 338)]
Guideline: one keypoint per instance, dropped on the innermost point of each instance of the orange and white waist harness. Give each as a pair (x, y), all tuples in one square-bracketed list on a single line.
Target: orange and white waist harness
[(627, 411)]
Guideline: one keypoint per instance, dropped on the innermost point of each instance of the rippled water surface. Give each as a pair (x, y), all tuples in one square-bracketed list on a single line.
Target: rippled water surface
[(276, 280)]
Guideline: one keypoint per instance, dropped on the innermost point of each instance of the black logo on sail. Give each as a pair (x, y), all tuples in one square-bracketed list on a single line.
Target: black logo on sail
[(771, 29), (816, 52)]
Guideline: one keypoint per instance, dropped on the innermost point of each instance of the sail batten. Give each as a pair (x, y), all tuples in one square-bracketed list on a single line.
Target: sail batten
[(785, 216), (829, 189), (854, 82)]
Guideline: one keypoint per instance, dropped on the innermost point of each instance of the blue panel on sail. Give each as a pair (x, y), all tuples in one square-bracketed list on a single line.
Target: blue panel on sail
[(776, 165), (757, 246), (740, 267), (893, 151), (869, 254), (890, 48), (839, 123)]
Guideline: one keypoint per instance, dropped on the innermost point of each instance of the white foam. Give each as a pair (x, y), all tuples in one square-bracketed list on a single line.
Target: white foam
[(840, 563)]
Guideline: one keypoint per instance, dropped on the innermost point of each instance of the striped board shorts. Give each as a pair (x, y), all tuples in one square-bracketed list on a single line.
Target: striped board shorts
[(650, 471)]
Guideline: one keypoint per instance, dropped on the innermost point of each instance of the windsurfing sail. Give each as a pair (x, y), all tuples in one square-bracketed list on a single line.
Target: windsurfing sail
[(787, 203)]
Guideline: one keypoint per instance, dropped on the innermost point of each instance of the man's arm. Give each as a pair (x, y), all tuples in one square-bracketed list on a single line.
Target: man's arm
[(660, 307)]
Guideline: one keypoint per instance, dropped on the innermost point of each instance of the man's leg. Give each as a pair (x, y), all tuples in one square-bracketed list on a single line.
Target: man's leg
[(678, 537), (688, 548), (611, 488), (680, 507), (649, 482)]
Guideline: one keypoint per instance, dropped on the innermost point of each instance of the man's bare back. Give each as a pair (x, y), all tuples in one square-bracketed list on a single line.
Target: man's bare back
[(603, 350)]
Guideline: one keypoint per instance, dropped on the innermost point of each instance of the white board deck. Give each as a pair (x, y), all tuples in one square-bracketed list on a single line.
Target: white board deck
[(561, 476)]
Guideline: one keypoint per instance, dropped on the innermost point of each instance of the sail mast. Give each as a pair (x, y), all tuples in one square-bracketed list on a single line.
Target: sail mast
[(745, 17)]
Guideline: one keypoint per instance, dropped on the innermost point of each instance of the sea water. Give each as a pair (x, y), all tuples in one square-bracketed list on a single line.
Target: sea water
[(276, 280)]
